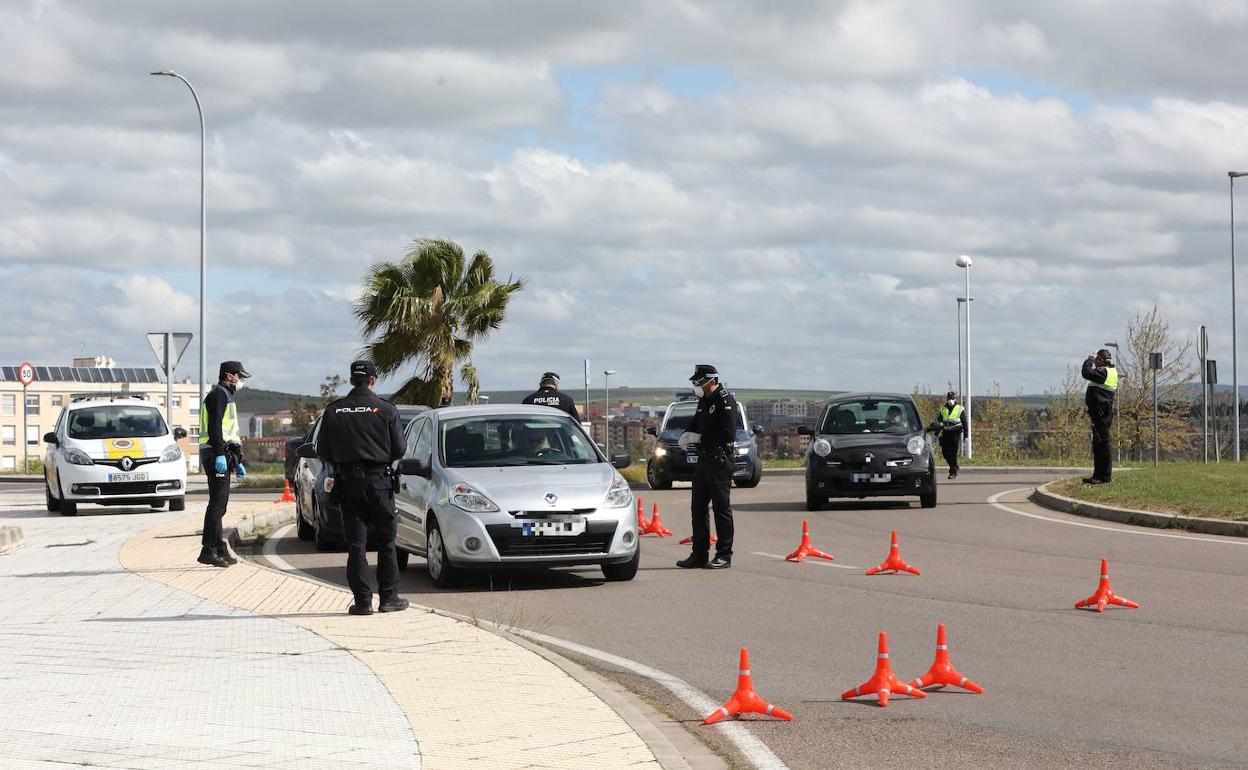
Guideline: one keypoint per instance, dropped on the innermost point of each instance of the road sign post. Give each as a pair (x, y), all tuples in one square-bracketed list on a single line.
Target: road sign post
[(1154, 361), (169, 347), (1202, 351), (25, 375)]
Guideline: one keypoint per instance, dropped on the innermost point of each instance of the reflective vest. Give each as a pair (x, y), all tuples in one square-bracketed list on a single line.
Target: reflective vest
[(229, 424), (1111, 380), (947, 414)]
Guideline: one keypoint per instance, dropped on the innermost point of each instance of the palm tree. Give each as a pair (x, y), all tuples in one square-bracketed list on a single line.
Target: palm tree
[(429, 309)]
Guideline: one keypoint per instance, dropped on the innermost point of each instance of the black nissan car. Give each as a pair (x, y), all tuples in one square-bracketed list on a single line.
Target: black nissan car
[(869, 445), (671, 463)]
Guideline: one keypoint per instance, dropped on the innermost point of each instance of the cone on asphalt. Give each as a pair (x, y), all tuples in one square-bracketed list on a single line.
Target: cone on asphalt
[(883, 682), (655, 525), (894, 562), (806, 548), (942, 673), (745, 700), (641, 517), (286, 497), (689, 540), (1104, 594)]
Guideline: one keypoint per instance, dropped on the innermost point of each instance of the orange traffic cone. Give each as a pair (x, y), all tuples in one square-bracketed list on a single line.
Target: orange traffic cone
[(655, 526), (689, 540), (883, 681), (745, 700), (1104, 594), (641, 517), (942, 671), (894, 561), (286, 497), (805, 548)]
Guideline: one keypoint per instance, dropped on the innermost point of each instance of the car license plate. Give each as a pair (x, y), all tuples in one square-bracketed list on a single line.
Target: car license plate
[(560, 526), (693, 459), (116, 477), (870, 478)]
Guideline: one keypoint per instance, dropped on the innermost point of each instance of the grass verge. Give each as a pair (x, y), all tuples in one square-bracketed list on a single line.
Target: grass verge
[(1213, 490)]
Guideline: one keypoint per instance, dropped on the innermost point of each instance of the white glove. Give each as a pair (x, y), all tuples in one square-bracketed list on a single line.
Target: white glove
[(688, 439), (329, 484)]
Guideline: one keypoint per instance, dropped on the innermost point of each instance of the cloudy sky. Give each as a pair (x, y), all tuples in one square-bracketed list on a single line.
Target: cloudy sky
[(780, 189)]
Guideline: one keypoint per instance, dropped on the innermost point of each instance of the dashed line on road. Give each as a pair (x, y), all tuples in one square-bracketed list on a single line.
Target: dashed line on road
[(753, 749), (820, 562), (994, 501)]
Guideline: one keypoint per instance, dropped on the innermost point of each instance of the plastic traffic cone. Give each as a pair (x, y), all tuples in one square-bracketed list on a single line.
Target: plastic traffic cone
[(641, 517), (894, 561), (286, 497), (655, 526), (805, 548), (883, 681), (942, 671), (689, 540), (745, 700), (1104, 594)]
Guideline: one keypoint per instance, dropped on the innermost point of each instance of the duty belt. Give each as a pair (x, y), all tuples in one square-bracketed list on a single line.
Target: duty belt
[(362, 470)]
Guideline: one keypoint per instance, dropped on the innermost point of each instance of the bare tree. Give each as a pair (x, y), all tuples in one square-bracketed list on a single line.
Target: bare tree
[(1149, 333)]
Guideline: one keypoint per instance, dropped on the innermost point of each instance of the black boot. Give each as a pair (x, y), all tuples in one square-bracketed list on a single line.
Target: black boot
[(223, 551), (393, 604), (363, 606), (209, 556), (720, 562), (693, 562)]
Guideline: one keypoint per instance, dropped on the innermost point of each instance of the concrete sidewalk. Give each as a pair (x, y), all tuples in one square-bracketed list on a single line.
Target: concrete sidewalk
[(117, 650)]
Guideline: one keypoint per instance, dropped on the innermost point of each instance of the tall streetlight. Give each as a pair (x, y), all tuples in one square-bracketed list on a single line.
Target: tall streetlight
[(203, 226), (1233, 175), (606, 415), (961, 390), (965, 263), (1117, 445)]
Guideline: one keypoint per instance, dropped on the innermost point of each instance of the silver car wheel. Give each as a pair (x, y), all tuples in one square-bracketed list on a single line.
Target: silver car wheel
[(435, 553)]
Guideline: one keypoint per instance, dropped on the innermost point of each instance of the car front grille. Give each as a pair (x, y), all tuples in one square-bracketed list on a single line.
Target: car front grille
[(595, 540), (126, 488)]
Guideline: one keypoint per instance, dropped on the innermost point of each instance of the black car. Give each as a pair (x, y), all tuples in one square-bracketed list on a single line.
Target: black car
[(671, 463), (869, 445)]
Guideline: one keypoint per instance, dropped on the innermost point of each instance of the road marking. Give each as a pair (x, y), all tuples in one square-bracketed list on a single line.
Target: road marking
[(994, 502), (754, 750), (820, 562)]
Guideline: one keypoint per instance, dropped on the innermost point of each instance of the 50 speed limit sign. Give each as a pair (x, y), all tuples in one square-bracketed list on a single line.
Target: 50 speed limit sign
[(26, 374)]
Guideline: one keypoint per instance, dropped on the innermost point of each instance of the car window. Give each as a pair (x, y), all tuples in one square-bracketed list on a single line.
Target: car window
[(680, 416), (422, 448), (870, 416), (116, 421), (503, 440)]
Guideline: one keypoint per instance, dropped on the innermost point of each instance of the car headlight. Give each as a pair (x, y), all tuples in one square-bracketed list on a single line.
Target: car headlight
[(466, 498), (172, 454), (619, 494), (916, 445), (76, 457), (743, 450), (660, 451), (822, 447)]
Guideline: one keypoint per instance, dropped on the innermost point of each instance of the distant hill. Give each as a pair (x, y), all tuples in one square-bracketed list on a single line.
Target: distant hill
[(260, 401)]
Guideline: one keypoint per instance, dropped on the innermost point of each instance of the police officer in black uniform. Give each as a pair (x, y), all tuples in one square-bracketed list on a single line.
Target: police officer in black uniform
[(951, 428), (1102, 379), (360, 437), (220, 453), (713, 431), (548, 394)]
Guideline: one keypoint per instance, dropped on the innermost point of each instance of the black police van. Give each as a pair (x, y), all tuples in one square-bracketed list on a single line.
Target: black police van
[(671, 463)]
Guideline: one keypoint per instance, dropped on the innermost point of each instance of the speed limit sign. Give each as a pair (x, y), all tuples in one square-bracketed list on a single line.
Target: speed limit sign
[(26, 373)]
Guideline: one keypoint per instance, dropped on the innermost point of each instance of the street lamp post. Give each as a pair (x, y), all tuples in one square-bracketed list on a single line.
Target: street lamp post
[(965, 263), (1117, 445), (961, 392), (1233, 175), (606, 415), (203, 225)]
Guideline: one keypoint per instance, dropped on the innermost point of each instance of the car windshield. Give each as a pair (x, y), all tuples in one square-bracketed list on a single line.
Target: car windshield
[(871, 416), (116, 421), (512, 439), (680, 417)]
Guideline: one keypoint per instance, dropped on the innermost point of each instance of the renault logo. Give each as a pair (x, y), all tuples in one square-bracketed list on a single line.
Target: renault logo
[(552, 498), (126, 463), (869, 457)]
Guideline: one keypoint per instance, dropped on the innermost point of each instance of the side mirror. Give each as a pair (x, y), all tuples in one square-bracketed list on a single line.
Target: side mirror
[(179, 434), (758, 430), (651, 432), (307, 451), (50, 438), (622, 460), (805, 430), (412, 466)]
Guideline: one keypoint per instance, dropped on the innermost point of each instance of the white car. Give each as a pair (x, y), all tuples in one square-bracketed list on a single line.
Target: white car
[(492, 487), (113, 451)]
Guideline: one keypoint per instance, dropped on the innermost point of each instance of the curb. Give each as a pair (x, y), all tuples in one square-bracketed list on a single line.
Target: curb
[(10, 537), (246, 532), (1044, 497)]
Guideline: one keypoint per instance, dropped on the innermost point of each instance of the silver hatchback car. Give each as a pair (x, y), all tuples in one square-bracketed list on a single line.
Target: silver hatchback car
[(491, 487)]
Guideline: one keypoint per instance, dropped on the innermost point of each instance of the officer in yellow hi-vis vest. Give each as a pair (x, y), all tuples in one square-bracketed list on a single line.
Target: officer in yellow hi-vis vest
[(220, 451), (952, 429), (1102, 379)]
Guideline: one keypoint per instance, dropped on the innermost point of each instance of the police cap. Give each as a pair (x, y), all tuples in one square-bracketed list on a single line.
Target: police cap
[(233, 367), (550, 378), (704, 372), (363, 368), (1104, 354)]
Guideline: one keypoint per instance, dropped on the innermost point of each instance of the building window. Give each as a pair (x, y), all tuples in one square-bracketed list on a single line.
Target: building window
[(177, 402), (32, 403), (160, 401), (8, 405), (194, 431), (8, 463), (194, 403), (32, 435), (8, 435), (58, 400)]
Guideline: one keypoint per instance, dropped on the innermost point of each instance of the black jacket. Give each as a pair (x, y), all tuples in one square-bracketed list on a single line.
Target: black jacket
[(214, 404), (360, 428), (554, 398), (1096, 397), (716, 422)]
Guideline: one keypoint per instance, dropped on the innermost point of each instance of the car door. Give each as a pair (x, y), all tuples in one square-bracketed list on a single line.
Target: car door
[(53, 451), (413, 497), (306, 471)]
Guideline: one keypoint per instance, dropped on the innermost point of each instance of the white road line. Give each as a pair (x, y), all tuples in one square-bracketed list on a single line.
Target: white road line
[(994, 502), (753, 749), (820, 562)]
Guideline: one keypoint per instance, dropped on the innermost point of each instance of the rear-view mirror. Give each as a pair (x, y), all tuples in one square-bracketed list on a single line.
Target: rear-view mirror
[(50, 438), (179, 434), (758, 430), (307, 451), (651, 432), (412, 466), (805, 430), (622, 460)]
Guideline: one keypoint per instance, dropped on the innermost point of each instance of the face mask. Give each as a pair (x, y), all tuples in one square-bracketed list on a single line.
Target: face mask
[(699, 391), (950, 402), (239, 386)]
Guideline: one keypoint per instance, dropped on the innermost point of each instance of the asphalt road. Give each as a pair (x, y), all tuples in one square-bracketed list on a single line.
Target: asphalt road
[(1164, 686)]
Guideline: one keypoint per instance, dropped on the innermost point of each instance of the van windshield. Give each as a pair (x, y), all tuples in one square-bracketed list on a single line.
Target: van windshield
[(116, 421)]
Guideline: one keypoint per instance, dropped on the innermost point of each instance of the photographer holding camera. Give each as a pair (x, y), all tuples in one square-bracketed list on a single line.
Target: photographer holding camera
[(1102, 377)]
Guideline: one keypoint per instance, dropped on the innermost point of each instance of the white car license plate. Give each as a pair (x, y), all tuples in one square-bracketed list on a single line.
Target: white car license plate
[(693, 459), (870, 478), (564, 526), (116, 477)]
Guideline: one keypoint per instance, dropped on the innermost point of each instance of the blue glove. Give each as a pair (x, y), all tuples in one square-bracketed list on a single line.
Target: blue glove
[(220, 465), (241, 471)]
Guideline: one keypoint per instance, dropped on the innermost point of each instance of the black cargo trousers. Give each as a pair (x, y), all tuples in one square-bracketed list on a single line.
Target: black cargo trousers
[(712, 487), (367, 502), (1102, 417)]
